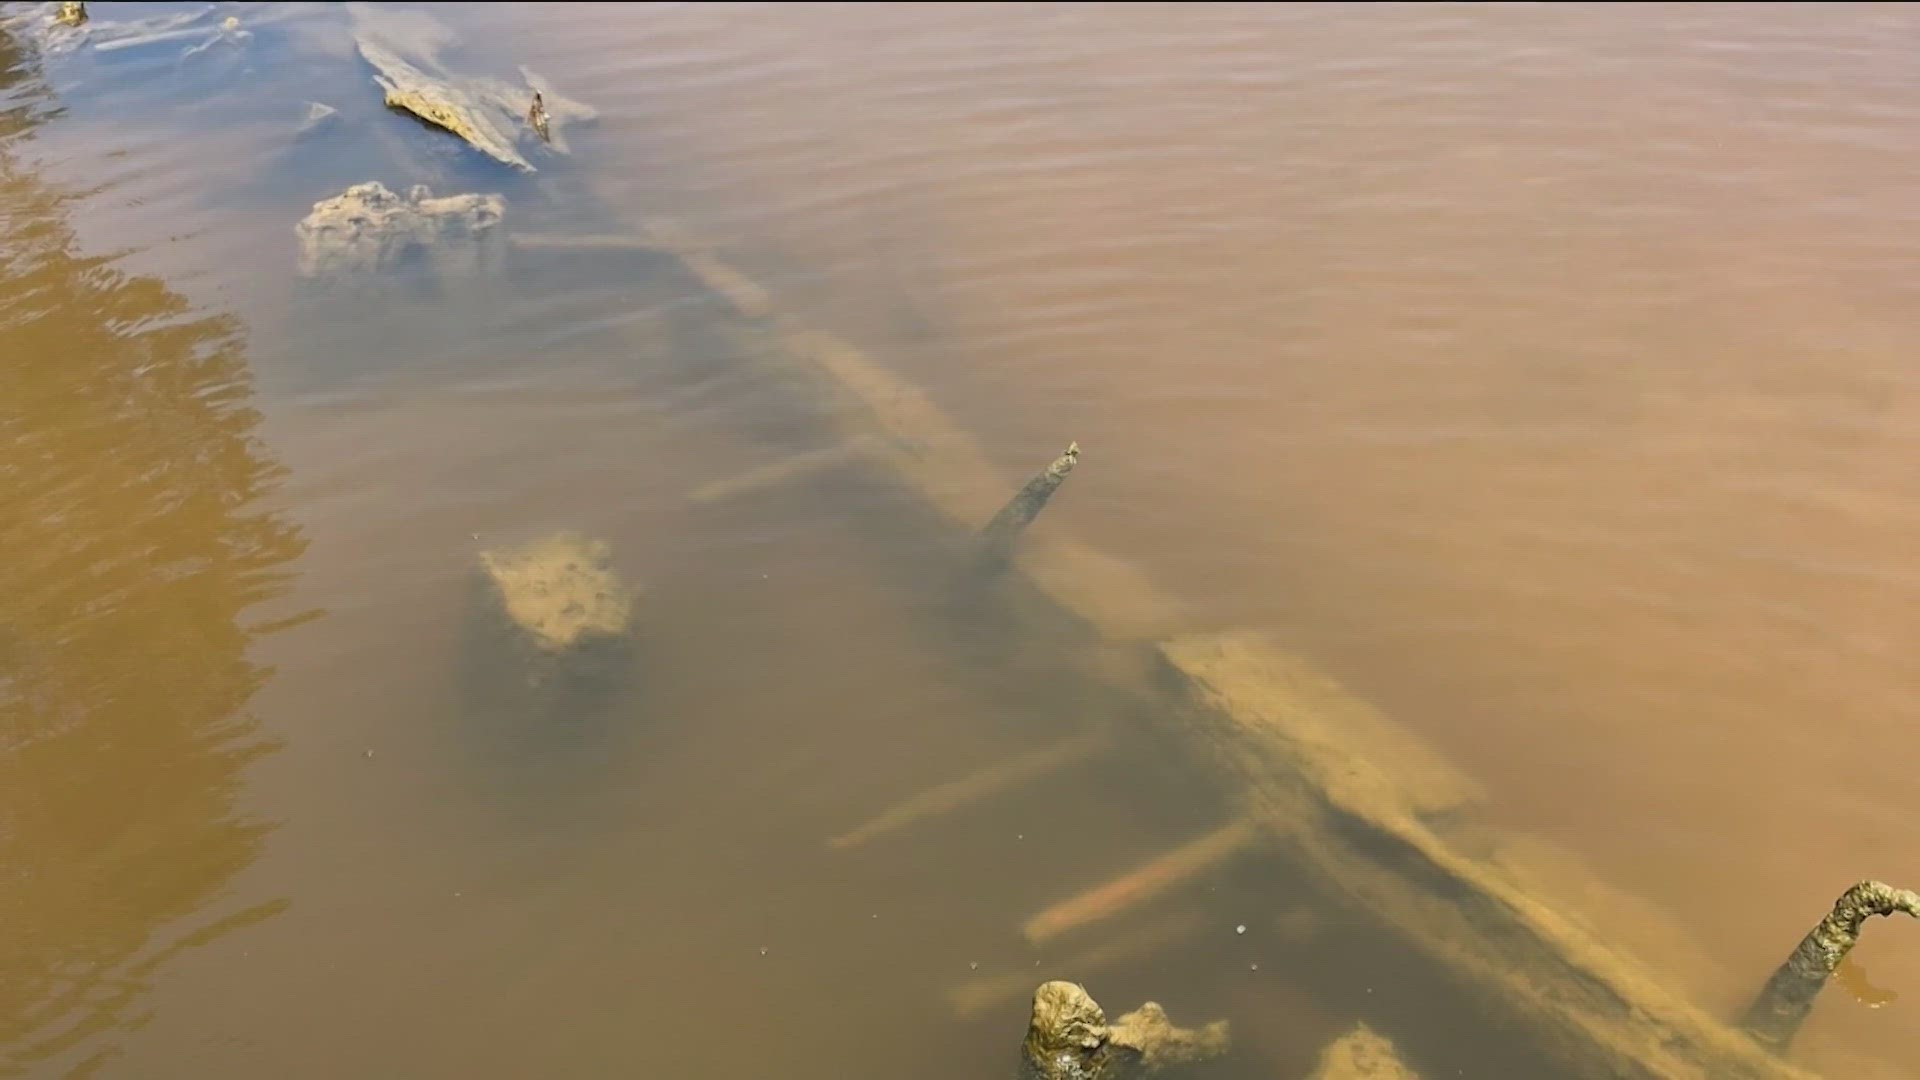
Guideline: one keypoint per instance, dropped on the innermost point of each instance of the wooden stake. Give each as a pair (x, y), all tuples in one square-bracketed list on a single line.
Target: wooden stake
[(1776, 1015), (998, 537)]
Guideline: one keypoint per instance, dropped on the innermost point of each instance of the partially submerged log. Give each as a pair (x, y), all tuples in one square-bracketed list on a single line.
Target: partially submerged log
[(1364, 818), (1784, 1003), (368, 228), (1068, 1038), (489, 115)]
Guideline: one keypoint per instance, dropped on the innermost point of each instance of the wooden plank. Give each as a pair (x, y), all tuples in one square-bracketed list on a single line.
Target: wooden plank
[(977, 787), (1143, 883)]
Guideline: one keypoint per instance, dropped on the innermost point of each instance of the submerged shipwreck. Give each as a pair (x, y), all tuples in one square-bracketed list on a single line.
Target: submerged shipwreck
[(1380, 827), (1382, 832)]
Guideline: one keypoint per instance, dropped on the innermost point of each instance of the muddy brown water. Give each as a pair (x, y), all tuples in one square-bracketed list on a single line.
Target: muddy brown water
[(1543, 372)]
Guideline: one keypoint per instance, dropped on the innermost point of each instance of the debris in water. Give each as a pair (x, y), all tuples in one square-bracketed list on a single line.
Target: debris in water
[(1160, 1043), (998, 537), (369, 228), (227, 33), (182, 27), (1068, 1037), (319, 117), (537, 116), (1363, 807), (1362, 1054), (72, 13), (1241, 929), (404, 50), (1776, 1015)]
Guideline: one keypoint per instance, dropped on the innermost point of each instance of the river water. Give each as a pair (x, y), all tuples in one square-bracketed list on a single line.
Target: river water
[(1544, 373)]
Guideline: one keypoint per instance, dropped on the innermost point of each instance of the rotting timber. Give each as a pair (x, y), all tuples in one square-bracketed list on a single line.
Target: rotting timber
[(1069, 1038), (1376, 821)]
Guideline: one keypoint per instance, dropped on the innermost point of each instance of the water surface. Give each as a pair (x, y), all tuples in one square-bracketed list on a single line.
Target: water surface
[(1543, 372)]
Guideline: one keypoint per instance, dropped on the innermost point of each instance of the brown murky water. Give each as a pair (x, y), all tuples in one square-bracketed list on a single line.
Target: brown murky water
[(1543, 372)]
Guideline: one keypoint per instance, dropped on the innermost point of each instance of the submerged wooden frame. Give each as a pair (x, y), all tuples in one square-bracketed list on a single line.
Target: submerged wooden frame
[(1322, 778)]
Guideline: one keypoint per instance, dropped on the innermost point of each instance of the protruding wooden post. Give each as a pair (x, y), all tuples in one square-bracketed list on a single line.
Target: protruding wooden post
[(1068, 1038), (1776, 1015), (537, 118), (998, 537), (1066, 1034)]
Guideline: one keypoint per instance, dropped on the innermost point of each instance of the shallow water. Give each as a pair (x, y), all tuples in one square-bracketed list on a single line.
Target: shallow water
[(1541, 372)]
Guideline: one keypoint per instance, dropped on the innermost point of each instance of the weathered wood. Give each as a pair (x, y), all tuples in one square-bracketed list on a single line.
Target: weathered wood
[(486, 114), (1596, 1012), (1143, 883), (1783, 1004), (538, 120), (997, 538), (1359, 817), (977, 787)]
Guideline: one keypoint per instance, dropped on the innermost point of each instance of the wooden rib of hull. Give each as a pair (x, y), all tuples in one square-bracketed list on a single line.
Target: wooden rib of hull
[(977, 787)]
